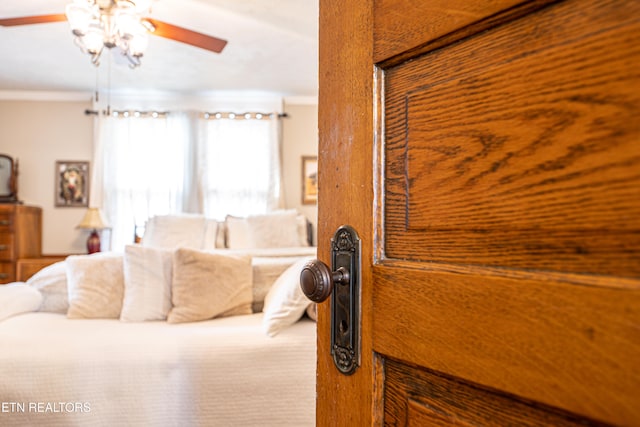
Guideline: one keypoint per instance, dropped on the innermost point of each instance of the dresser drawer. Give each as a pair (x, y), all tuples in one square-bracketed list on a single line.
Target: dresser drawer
[(6, 222), (6, 246), (20, 237), (7, 272)]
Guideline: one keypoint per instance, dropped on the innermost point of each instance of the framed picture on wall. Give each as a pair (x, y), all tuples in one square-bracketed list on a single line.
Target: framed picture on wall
[(309, 180), (72, 183)]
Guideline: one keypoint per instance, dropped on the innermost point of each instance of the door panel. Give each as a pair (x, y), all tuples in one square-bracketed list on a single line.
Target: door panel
[(488, 155), (399, 24), (417, 397), (490, 149), (561, 344)]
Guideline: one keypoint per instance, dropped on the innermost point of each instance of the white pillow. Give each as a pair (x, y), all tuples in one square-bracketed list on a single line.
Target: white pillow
[(51, 281), (285, 303), (147, 283), (238, 235), (278, 229), (221, 235), (18, 297), (312, 311), (208, 284), (174, 231), (210, 234), (96, 285)]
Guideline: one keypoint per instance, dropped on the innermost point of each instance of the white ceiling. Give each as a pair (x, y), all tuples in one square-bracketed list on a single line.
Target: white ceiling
[(272, 47)]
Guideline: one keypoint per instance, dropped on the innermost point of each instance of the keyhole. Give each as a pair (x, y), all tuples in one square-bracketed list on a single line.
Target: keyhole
[(344, 327)]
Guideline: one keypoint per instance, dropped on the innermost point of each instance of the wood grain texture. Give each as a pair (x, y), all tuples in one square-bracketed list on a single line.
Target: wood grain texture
[(496, 157), (406, 29), (20, 237), (27, 267), (417, 397), (533, 324), (567, 346), (30, 20), (345, 122), (193, 38)]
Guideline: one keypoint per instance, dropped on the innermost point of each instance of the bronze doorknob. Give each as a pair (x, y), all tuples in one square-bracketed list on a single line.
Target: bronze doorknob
[(317, 280)]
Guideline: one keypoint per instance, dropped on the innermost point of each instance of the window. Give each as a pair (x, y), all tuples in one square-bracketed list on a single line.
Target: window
[(240, 166), (159, 165), (144, 170)]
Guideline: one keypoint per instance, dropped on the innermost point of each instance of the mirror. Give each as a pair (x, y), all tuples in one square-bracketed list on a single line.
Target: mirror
[(8, 179)]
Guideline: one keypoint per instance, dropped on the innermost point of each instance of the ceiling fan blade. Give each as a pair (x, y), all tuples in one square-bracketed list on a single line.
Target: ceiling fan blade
[(183, 35), (36, 19)]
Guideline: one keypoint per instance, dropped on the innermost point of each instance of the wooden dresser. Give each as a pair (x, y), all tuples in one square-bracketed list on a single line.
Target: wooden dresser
[(27, 267), (20, 237)]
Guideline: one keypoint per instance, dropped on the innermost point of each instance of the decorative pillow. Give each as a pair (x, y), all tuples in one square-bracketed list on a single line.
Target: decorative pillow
[(18, 297), (207, 285), (210, 234), (238, 235), (285, 303), (275, 230), (96, 285), (174, 231), (312, 311), (147, 283), (51, 281), (266, 271), (221, 235)]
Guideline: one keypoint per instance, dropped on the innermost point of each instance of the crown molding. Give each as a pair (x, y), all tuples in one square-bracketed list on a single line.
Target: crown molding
[(15, 95)]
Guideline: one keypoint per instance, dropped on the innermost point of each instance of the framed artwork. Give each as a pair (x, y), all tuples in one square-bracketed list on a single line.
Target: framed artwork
[(309, 180), (8, 179), (72, 184)]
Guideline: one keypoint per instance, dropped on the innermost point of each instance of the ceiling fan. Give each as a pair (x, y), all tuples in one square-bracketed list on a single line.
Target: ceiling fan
[(117, 23)]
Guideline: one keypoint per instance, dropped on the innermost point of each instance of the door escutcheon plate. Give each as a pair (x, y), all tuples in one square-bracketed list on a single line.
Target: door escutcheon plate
[(345, 301)]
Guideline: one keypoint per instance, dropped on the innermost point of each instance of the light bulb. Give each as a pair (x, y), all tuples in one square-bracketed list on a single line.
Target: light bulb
[(79, 17), (138, 42), (93, 40)]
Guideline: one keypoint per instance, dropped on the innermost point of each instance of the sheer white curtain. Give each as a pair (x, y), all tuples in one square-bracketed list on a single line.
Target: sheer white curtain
[(144, 162), (239, 166), (181, 162)]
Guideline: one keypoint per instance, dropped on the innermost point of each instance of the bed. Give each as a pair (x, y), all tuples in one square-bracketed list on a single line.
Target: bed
[(171, 333)]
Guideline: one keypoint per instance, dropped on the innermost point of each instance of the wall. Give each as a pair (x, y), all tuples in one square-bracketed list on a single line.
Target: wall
[(40, 132), (300, 138)]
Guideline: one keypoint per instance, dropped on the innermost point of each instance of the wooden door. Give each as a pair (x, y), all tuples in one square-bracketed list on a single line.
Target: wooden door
[(488, 154)]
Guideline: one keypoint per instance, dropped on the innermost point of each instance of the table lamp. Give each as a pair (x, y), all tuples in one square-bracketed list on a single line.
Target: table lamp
[(93, 220)]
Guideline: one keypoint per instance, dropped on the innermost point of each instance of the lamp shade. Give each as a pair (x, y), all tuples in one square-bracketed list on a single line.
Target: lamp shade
[(93, 219)]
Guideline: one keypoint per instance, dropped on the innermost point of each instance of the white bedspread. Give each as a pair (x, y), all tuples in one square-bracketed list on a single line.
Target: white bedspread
[(223, 372)]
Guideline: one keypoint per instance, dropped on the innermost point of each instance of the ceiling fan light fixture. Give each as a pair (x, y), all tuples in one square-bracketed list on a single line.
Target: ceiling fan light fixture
[(109, 23), (147, 25), (79, 17), (142, 6), (93, 41), (127, 23), (138, 43)]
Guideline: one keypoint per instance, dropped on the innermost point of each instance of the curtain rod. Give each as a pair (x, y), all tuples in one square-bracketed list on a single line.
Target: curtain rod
[(107, 112), (242, 116)]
